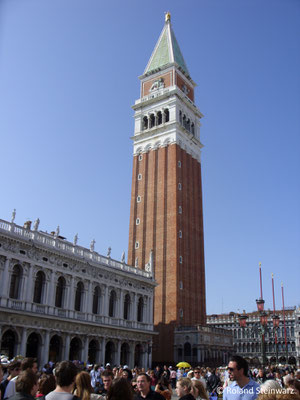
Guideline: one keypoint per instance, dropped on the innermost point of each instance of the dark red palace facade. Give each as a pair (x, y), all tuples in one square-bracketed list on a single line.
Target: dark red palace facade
[(166, 215)]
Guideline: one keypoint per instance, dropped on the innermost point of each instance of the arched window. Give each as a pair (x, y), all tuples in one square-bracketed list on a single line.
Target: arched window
[(292, 331), (60, 290), (112, 303), (78, 296), (15, 282), (96, 300), (188, 124), (152, 121), (193, 128), (126, 306), (39, 287), (187, 349), (145, 123), (167, 115), (180, 117), (184, 121), (140, 310), (159, 118)]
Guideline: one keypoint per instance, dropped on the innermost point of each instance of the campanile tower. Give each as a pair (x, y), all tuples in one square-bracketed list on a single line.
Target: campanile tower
[(166, 217)]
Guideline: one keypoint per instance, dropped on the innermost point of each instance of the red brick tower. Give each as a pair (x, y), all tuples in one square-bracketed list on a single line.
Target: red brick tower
[(166, 201)]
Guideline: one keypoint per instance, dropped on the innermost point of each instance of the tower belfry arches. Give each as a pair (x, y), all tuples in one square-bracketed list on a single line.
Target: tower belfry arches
[(166, 197)]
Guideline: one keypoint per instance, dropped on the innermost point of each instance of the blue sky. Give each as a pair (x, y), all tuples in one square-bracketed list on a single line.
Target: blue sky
[(68, 77)]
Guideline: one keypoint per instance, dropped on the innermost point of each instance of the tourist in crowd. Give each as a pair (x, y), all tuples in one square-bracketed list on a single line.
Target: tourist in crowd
[(1, 377), (261, 376), (95, 377), (144, 389), (27, 363), (163, 387), (213, 382), (173, 378), (107, 377), (154, 379), (46, 384), (278, 378), (243, 388), (184, 388), (65, 374), (198, 376), (26, 385), (127, 374), (120, 389), (198, 390), (270, 386), (84, 389), (14, 369)]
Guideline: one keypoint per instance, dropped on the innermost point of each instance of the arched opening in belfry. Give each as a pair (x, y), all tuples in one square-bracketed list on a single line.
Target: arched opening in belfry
[(151, 121), (145, 123), (167, 115), (159, 118)]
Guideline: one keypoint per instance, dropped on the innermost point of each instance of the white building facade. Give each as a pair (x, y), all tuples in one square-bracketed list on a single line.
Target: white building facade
[(247, 341), (203, 345), (60, 301)]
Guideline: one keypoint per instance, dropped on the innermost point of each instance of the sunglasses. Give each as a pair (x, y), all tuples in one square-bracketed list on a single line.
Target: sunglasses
[(230, 369)]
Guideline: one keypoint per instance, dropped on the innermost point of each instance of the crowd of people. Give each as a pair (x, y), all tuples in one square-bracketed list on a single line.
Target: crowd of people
[(22, 380)]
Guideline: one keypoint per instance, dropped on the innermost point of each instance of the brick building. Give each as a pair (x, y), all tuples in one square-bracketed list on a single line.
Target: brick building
[(166, 217)]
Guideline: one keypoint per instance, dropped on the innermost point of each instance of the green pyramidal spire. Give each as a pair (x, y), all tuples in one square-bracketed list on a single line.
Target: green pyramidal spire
[(166, 51)]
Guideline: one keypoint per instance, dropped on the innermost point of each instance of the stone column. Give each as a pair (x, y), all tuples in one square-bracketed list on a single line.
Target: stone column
[(28, 288), (71, 296), (198, 354), (45, 349), (131, 354), (51, 291), (23, 342), (67, 347), (134, 309), (84, 357), (102, 356), (89, 298), (105, 302), (118, 355), (121, 304), (150, 355)]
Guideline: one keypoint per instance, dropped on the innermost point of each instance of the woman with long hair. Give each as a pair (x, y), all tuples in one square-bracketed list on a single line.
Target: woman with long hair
[(120, 390), (84, 388), (198, 390), (164, 387)]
